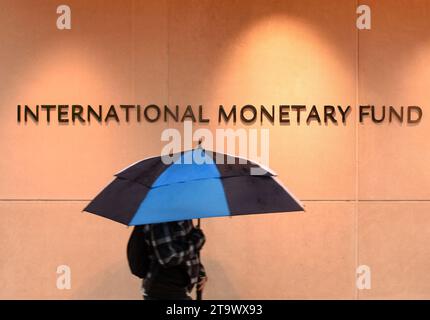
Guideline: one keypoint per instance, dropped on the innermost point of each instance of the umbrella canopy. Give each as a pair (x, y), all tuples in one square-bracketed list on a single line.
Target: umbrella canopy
[(197, 184)]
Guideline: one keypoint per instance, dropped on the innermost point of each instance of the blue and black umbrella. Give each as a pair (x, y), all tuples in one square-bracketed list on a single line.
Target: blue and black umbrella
[(196, 184)]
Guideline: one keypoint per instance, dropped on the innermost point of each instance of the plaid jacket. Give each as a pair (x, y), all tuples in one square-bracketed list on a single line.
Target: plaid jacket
[(176, 243)]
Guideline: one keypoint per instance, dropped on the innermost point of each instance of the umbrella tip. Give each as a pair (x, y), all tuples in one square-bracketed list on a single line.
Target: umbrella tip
[(200, 145)]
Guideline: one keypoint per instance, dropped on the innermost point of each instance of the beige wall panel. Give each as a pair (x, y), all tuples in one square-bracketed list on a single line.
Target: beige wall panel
[(282, 256), (37, 237), (394, 158), (274, 52), (111, 56), (393, 242)]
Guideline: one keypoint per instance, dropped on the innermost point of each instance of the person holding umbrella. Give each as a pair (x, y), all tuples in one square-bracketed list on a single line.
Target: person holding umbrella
[(174, 262), (162, 199)]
